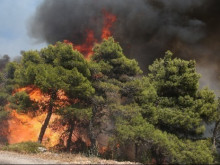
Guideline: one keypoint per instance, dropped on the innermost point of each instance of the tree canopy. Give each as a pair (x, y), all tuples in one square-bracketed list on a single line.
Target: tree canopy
[(112, 61), (54, 68), (182, 107), (161, 116)]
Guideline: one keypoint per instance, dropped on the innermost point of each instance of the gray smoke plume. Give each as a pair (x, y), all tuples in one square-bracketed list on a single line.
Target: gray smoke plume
[(3, 61), (144, 28)]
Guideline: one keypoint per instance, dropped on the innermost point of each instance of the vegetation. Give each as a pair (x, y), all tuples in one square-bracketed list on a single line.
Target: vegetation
[(24, 147), (159, 117), (52, 69)]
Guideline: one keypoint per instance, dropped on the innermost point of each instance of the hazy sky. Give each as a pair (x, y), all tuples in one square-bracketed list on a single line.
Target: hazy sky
[(14, 16)]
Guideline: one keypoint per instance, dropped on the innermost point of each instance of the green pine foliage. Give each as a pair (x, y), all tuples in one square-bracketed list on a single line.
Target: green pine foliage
[(52, 69), (5, 88), (131, 127), (22, 102), (165, 110), (113, 62), (162, 114), (182, 107)]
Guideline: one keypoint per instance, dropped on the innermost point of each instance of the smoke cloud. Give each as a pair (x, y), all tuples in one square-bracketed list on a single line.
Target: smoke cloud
[(3, 61), (144, 28)]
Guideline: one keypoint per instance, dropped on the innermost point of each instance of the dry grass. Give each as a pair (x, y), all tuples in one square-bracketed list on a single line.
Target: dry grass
[(77, 158), (60, 157), (24, 147)]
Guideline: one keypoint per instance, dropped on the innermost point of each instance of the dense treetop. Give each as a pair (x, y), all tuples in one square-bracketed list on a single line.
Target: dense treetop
[(113, 62), (182, 107)]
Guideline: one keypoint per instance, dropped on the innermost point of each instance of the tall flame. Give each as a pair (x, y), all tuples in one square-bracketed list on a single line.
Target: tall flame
[(108, 22), (86, 47), (26, 127)]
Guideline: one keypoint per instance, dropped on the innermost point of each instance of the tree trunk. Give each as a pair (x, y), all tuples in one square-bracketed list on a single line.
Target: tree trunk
[(136, 152), (93, 147), (47, 120), (69, 141), (215, 134), (44, 126)]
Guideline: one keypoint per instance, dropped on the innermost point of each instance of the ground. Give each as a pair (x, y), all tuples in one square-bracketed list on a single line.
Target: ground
[(52, 158)]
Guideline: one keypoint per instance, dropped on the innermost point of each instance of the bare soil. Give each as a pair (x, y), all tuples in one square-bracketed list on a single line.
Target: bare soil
[(52, 158)]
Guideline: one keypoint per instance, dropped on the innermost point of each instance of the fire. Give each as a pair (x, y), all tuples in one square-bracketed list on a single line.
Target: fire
[(108, 22), (86, 47), (103, 149), (35, 94), (24, 127)]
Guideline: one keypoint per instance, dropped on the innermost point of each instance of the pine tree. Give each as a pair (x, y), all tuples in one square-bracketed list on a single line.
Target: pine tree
[(182, 107), (52, 69)]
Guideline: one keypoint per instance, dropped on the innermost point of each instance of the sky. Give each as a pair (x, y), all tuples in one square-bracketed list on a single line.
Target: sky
[(14, 16)]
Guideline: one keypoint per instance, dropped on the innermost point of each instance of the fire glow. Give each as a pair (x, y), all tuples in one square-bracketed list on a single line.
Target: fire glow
[(24, 127), (108, 22), (86, 47)]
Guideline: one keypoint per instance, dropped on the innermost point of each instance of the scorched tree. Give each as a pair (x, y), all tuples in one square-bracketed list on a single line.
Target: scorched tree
[(55, 68)]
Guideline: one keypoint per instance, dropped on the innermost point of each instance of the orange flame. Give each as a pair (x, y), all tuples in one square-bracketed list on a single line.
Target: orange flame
[(23, 127), (26, 127), (103, 149), (35, 94), (86, 47), (108, 22)]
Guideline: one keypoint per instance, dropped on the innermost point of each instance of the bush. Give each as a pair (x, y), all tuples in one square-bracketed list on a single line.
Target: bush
[(3, 115), (24, 147)]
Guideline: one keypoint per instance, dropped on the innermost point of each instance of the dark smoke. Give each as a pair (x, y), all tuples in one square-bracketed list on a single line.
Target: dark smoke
[(144, 28), (3, 61)]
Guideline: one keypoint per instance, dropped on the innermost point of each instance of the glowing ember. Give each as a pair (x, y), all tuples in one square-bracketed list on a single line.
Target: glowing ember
[(79, 133), (103, 149)]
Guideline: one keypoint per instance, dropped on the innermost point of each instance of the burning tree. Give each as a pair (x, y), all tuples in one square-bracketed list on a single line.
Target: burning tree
[(53, 70), (77, 115), (159, 117)]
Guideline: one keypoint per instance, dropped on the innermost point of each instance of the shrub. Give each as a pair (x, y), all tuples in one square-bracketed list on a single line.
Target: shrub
[(24, 147)]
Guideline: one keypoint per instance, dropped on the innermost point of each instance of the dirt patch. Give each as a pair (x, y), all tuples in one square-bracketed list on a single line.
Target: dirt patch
[(53, 158)]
